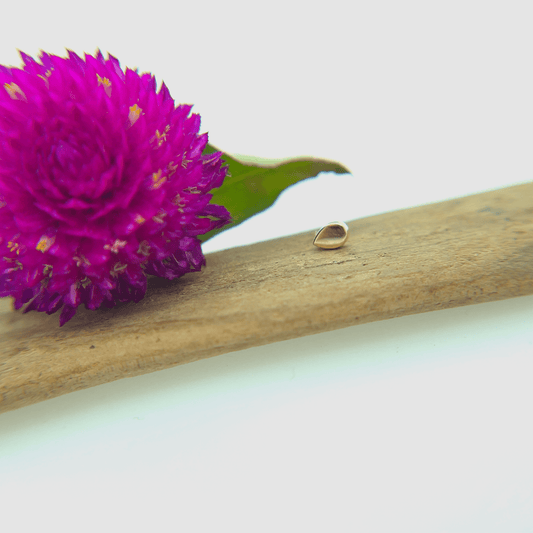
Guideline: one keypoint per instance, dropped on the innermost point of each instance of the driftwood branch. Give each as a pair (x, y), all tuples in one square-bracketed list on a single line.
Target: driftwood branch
[(458, 252)]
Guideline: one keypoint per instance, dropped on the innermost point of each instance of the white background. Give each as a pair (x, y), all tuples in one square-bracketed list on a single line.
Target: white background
[(421, 423)]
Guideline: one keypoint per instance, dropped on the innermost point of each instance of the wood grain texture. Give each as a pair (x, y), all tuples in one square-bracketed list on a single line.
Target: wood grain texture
[(458, 252)]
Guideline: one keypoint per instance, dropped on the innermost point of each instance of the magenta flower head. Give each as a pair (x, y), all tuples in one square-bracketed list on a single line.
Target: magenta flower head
[(102, 181)]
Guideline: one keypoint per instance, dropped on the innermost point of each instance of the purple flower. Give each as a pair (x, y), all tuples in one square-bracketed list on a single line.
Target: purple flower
[(102, 181)]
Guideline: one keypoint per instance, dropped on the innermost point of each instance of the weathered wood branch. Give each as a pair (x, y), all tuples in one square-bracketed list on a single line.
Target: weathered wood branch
[(458, 252)]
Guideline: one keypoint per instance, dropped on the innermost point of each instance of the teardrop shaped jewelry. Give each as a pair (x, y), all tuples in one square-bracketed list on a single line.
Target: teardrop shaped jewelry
[(331, 236)]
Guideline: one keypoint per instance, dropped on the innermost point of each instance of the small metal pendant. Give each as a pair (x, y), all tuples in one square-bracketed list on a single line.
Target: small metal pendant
[(331, 236)]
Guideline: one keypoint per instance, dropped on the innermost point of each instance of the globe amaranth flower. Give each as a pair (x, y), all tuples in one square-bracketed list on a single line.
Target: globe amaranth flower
[(103, 180)]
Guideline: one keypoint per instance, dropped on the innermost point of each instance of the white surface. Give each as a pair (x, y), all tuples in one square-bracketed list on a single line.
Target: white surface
[(415, 424)]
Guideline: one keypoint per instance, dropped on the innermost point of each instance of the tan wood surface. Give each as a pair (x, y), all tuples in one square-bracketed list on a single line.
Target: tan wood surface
[(458, 252)]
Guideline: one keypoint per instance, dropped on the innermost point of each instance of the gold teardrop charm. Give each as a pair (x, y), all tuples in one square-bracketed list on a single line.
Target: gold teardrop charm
[(331, 236)]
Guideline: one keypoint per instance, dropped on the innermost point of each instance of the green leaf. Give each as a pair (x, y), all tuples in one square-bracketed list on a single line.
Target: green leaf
[(253, 186)]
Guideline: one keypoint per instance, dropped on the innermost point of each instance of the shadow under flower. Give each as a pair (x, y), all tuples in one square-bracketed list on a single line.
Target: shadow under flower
[(160, 294)]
